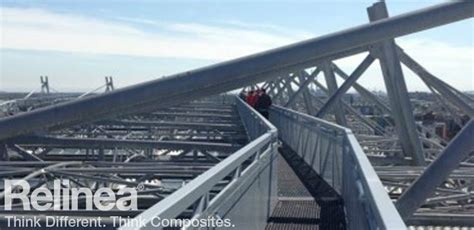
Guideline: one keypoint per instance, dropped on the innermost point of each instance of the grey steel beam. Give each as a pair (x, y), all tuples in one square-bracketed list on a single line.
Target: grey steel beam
[(302, 86), (436, 83), (281, 89), (123, 132), (442, 219), (350, 109), (368, 95), (66, 142), (337, 95), (98, 178), (363, 91), (211, 157), (289, 88), (3, 152), (40, 171), (457, 150), (273, 87), (198, 115), (23, 153), (397, 92), (201, 109), (310, 109), (332, 88), (229, 75), (173, 124), (446, 104)]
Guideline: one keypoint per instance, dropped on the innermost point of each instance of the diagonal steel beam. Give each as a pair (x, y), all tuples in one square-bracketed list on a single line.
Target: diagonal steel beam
[(310, 109), (289, 89), (436, 83), (337, 95), (350, 109), (303, 86), (332, 88), (457, 150), (364, 92), (271, 88), (279, 88), (26, 155)]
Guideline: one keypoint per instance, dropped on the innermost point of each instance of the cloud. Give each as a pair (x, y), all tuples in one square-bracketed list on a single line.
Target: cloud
[(268, 27), (138, 20), (36, 29)]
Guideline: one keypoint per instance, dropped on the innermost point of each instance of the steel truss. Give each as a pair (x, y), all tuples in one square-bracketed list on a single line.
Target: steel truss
[(157, 152), (121, 137), (400, 147)]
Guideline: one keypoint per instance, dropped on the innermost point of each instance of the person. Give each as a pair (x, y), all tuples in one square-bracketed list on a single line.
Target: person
[(242, 95), (263, 103), (256, 97), (251, 98)]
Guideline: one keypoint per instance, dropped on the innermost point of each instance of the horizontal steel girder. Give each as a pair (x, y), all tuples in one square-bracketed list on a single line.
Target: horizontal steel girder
[(229, 75), (174, 124), (63, 142)]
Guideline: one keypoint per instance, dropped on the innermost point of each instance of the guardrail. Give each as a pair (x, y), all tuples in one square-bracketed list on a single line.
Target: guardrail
[(246, 199), (334, 153)]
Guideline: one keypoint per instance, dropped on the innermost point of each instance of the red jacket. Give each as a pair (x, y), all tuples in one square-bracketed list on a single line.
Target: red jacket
[(251, 99)]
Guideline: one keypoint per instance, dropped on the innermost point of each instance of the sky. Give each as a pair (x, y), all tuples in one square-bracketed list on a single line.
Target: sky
[(78, 42)]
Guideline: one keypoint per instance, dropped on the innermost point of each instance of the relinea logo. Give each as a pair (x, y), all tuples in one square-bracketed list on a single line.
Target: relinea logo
[(64, 197)]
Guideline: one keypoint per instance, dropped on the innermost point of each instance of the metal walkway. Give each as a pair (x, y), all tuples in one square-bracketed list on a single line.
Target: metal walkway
[(296, 208), (210, 158)]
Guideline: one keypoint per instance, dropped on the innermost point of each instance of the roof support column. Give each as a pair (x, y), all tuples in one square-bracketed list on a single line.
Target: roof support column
[(397, 91)]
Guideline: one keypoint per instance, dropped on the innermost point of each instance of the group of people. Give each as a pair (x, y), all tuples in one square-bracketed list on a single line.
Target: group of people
[(259, 100)]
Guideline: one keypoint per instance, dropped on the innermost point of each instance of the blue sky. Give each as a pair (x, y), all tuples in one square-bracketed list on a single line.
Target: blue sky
[(77, 43)]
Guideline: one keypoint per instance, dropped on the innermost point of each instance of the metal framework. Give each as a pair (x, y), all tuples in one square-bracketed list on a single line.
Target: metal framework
[(194, 156), (334, 153), (398, 146), (158, 154)]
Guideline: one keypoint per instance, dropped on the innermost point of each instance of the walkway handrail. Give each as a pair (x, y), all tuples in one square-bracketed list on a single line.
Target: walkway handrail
[(255, 124), (236, 166), (335, 154)]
